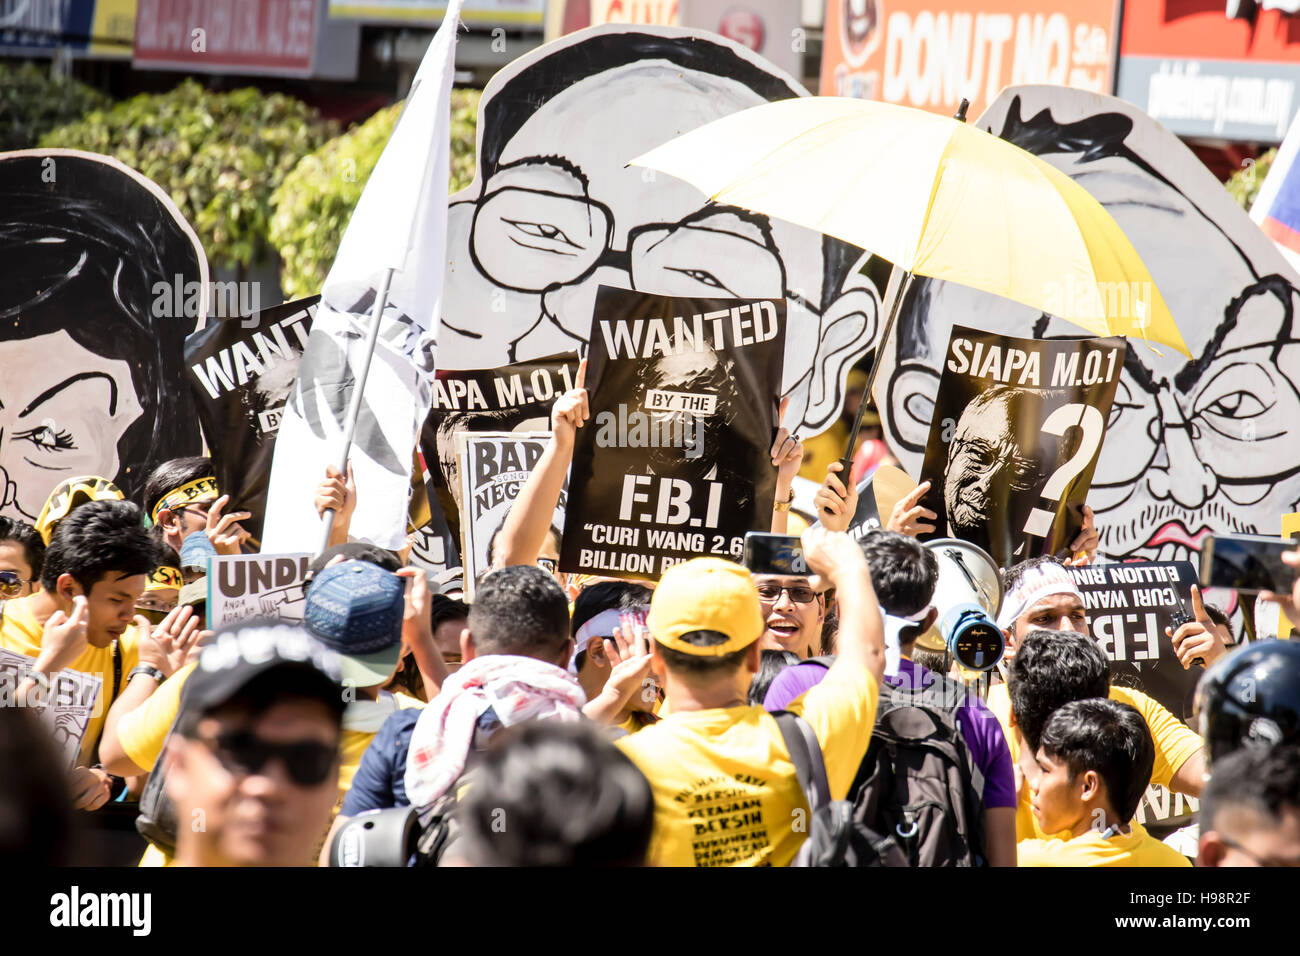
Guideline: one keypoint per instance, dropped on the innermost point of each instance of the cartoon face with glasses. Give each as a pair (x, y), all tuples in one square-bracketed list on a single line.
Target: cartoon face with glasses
[(1192, 447), (555, 212)]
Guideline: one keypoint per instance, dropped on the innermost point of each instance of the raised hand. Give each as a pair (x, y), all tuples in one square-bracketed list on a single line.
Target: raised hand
[(571, 410), (630, 658), (832, 556), (337, 494), (909, 516), (1290, 603), (1083, 549), (787, 453), (169, 645), (223, 530), (835, 502), (1200, 640), (65, 637)]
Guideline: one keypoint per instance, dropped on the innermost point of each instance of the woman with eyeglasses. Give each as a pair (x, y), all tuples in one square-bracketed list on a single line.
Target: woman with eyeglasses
[(22, 555)]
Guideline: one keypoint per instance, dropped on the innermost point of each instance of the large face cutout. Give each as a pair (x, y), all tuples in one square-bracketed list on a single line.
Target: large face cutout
[(101, 282), (555, 212), (1192, 448), (63, 409)]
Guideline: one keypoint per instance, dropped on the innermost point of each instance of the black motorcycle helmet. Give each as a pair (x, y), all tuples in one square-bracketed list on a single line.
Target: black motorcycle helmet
[(1251, 697)]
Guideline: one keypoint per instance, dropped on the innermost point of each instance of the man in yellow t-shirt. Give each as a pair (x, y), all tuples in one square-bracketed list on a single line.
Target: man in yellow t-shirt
[(1053, 668), (1094, 759), (726, 792), (96, 567)]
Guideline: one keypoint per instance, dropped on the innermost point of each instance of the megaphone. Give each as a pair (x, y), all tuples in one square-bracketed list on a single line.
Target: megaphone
[(968, 596)]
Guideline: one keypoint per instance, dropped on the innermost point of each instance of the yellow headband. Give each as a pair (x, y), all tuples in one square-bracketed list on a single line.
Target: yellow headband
[(200, 489), (164, 577)]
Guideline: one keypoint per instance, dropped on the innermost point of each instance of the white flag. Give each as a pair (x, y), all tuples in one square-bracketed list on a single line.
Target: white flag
[(400, 223)]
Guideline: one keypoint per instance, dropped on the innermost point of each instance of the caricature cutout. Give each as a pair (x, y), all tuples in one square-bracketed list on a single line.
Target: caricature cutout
[(554, 212), (1193, 447), (91, 372)]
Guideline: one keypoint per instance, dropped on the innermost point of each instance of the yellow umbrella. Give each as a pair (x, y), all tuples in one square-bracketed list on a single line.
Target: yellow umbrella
[(933, 196)]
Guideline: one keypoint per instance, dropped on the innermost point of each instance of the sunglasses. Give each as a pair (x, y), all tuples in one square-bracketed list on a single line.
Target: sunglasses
[(242, 752), (771, 593), (11, 582), (547, 565)]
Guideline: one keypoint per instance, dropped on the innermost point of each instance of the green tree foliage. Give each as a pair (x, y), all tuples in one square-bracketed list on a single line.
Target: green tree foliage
[(219, 155), (315, 202), (1244, 183), (32, 102)]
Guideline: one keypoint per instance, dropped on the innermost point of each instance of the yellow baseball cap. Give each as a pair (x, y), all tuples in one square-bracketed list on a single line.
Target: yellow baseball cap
[(70, 493), (706, 594)]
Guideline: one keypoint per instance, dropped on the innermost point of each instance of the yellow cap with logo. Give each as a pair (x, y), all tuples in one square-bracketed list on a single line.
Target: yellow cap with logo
[(706, 594), (70, 493)]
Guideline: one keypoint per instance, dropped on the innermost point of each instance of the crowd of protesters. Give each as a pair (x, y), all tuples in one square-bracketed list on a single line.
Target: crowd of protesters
[(585, 721)]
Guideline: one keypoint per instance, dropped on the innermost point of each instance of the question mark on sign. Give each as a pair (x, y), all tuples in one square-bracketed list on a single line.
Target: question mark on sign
[(1039, 523)]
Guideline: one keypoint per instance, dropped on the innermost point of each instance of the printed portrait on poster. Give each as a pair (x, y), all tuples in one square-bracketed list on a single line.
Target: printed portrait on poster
[(102, 279)]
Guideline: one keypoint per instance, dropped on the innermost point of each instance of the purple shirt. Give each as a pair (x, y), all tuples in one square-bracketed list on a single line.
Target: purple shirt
[(981, 730)]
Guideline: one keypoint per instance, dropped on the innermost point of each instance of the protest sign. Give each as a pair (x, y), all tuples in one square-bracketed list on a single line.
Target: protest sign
[(514, 398), (1129, 606), (241, 372), (1018, 425), (494, 468), (674, 462), (256, 585), (72, 700)]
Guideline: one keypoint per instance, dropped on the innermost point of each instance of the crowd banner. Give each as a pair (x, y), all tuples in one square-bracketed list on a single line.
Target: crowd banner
[(674, 462), (495, 466), (241, 372), (554, 211), (1016, 433), (241, 586), (74, 697), (398, 227), (1129, 606), (102, 281)]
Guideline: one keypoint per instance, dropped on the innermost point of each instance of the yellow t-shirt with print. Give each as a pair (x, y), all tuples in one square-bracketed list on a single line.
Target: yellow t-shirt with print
[(725, 790), (1136, 848), (20, 633), (143, 731), (1174, 743)]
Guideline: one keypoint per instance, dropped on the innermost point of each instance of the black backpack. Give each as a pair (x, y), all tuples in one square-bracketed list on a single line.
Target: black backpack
[(917, 799)]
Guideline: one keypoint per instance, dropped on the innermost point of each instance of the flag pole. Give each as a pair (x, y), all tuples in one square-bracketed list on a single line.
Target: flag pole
[(358, 392)]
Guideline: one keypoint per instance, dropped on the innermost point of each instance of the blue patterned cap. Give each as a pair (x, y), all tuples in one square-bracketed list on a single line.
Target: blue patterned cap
[(355, 608)]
